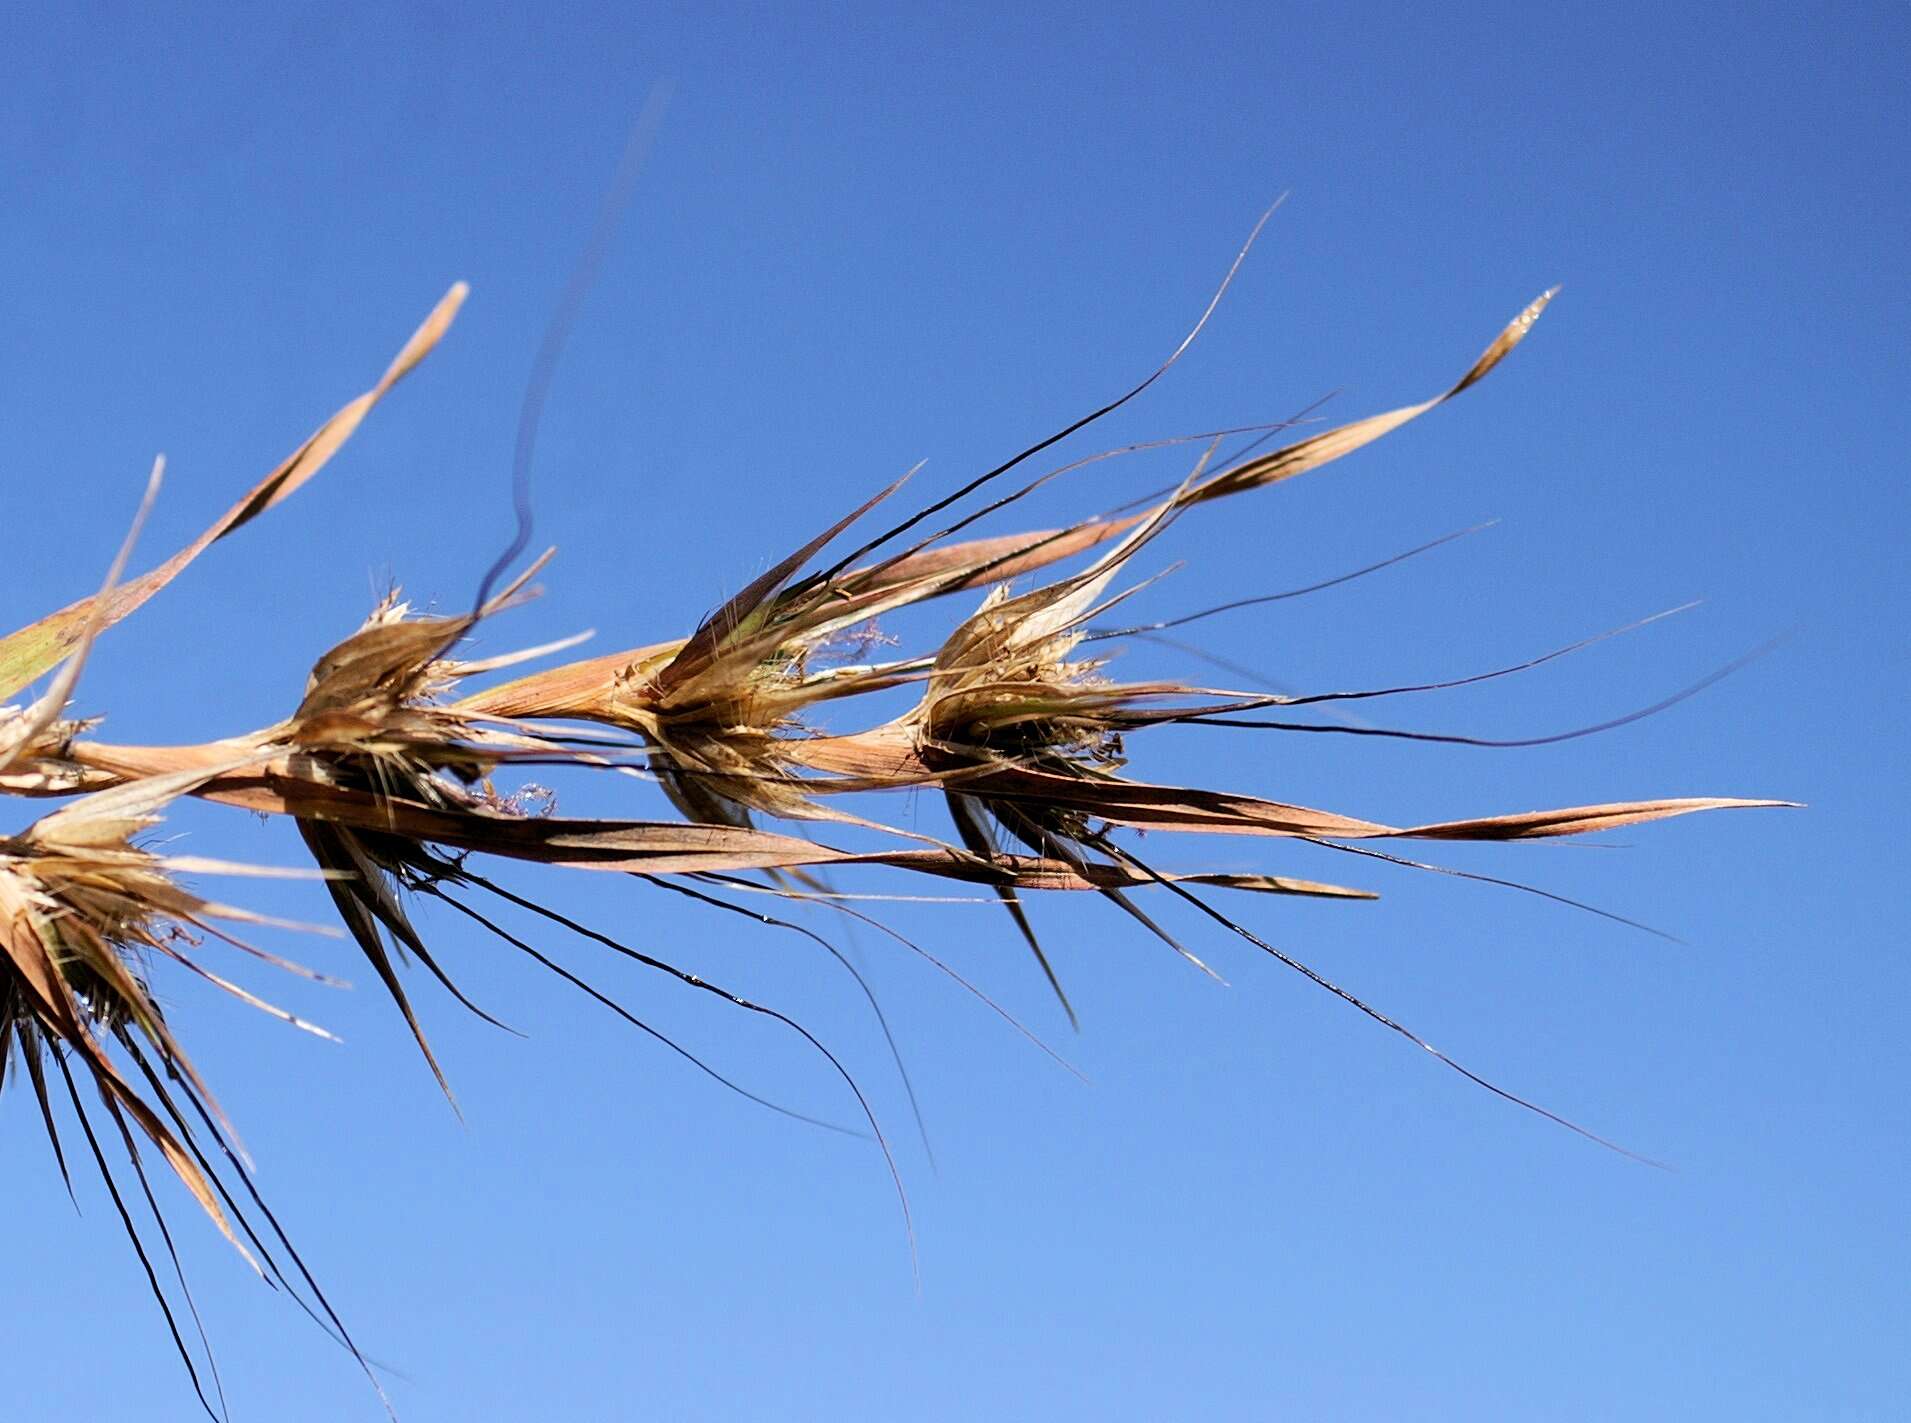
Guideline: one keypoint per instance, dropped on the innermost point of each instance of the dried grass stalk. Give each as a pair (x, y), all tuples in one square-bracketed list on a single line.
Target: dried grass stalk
[(389, 763)]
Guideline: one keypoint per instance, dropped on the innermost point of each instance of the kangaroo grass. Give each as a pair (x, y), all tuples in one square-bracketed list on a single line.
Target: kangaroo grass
[(396, 767)]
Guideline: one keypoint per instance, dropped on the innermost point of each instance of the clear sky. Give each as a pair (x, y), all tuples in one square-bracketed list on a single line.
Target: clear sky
[(871, 235)]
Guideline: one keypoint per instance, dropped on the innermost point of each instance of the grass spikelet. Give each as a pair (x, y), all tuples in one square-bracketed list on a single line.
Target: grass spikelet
[(389, 766), (85, 915)]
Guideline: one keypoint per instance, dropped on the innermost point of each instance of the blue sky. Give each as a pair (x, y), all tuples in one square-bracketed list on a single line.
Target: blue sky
[(869, 238)]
